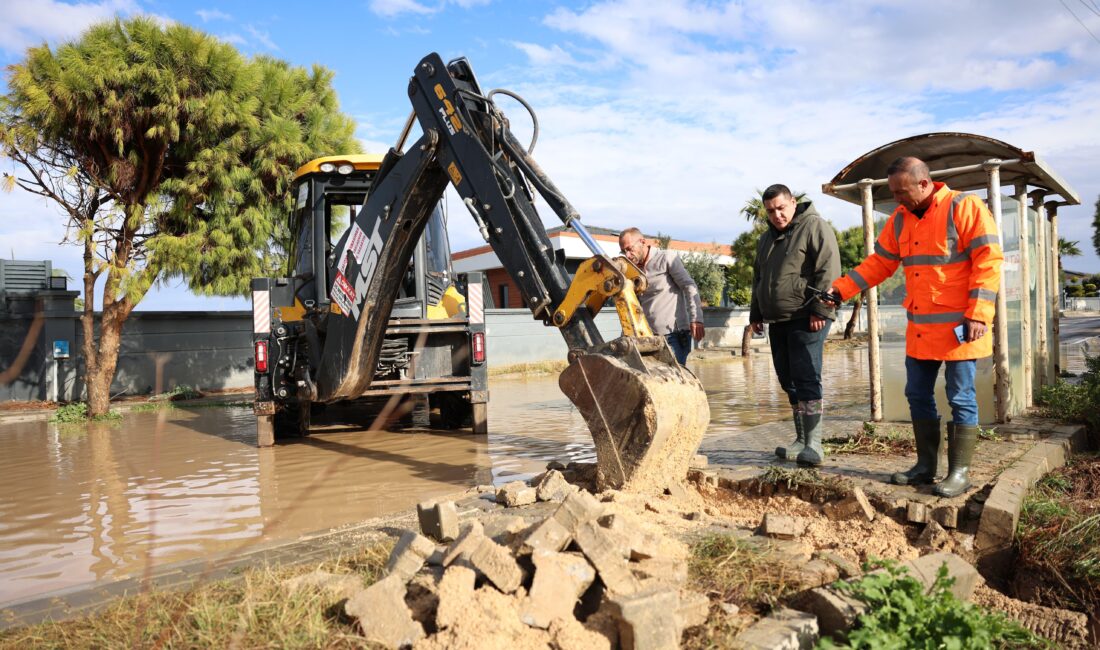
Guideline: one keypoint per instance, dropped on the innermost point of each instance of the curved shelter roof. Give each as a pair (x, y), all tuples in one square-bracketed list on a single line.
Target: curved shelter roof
[(955, 158)]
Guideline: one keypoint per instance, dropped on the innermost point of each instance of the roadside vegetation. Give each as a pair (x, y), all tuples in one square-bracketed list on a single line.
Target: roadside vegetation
[(1077, 401), (77, 412), (1058, 538), (253, 610), (901, 614), (874, 439), (737, 577)]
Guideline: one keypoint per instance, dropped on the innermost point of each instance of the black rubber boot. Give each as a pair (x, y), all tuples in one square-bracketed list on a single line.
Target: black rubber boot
[(927, 434), (813, 453), (960, 451), (790, 452)]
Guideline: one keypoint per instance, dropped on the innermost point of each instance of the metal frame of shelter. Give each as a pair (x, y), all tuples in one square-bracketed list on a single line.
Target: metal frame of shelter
[(969, 162)]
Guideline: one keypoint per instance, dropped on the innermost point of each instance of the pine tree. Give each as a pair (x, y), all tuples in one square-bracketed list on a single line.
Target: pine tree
[(170, 154)]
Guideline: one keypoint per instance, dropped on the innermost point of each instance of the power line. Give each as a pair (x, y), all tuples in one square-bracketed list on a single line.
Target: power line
[(1063, 3), (1091, 6)]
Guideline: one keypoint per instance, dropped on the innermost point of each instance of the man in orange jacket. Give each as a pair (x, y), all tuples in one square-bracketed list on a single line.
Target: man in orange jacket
[(948, 243)]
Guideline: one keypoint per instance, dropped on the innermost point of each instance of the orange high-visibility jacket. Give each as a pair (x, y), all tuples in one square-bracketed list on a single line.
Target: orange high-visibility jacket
[(952, 259)]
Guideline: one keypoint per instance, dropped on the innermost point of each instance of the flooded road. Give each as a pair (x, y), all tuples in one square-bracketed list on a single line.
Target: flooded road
[(82, 503)]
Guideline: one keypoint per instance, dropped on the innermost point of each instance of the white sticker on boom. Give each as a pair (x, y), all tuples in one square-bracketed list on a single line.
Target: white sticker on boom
[(357, 242), (343, 293), (303, 195)]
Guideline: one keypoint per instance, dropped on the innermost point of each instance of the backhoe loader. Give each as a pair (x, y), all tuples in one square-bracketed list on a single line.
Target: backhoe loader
[(647, 414)]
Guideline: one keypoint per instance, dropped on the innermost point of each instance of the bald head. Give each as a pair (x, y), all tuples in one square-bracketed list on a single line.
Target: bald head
[(910, 183), (634, 246)]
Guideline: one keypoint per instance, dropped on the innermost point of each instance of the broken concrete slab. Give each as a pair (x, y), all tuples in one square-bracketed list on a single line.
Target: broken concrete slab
[(382, 614), (670, 571), (549, 535), (784, 628), (338, 585), (782, 526), (554, 487), (438, 520), (560, 579), (516, 493), (916, 512), (693, 611), (456, 592), (946, 516), (835, 612), (926, 568), (648, 620), (577, 508), (933, 536), (496, 563), (847, 568), (409, 555), (467, 540), (604, 554), (699, 460)]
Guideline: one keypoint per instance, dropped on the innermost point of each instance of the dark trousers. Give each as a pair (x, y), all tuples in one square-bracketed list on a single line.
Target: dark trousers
[(680, 343), (796, 355)]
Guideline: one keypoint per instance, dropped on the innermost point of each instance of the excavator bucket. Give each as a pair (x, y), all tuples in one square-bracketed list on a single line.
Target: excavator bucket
[(647, 413)]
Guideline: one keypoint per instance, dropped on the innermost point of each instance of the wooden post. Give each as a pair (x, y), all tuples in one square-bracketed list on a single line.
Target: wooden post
[(1043, 355), (1025, 292), (873, 357), (1002, 380)]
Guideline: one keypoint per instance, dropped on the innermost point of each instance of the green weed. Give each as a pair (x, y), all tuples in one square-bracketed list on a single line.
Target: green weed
[(901, 614), (77, 412)]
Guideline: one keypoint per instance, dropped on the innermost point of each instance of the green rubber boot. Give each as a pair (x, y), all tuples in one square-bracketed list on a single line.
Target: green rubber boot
[(813, 453), (927, 434), (791, 451), (960, 451)]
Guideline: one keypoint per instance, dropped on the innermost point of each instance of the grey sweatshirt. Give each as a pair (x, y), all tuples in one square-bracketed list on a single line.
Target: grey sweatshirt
[(672, 300)]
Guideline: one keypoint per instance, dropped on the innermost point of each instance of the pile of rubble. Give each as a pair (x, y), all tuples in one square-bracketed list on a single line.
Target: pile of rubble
[(582, 577)]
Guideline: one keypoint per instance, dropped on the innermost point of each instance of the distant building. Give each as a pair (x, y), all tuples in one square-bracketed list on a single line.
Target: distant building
[(505, 293)]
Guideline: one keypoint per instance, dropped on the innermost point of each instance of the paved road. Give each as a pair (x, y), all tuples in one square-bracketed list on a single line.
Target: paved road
[(1078, 328)]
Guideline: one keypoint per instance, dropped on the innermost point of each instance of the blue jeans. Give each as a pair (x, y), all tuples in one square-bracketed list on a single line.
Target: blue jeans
[(680, 342), (796, 355), (920, 382)]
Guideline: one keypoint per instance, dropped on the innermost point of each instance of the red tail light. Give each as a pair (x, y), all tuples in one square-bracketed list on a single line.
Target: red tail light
[(261, 356), (478, 344)]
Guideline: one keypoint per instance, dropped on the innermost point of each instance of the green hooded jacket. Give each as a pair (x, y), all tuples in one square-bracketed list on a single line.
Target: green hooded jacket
[(804, 254)]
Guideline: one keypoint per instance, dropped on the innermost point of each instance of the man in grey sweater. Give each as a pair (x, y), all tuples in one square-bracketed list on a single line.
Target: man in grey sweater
[(671, 303), (797, 252)]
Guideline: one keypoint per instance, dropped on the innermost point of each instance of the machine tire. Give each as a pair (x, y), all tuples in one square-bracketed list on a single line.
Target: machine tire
[(292, 421), (454, 410)]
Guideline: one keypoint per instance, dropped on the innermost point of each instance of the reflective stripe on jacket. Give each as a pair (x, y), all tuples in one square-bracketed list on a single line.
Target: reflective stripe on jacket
[(952, 259)]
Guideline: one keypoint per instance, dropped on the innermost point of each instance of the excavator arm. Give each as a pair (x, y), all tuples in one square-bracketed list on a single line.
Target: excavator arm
[(646, 412)]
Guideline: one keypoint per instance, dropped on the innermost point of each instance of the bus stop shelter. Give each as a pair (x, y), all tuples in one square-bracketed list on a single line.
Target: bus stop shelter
[(1025, 329)]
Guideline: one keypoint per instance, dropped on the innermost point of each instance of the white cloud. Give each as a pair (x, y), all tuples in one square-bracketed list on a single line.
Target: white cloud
[(212, 14), (263, 38), (26, 24), (393, 8)]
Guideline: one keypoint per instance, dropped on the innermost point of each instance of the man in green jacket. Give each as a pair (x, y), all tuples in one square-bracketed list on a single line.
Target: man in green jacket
[(798, 251)]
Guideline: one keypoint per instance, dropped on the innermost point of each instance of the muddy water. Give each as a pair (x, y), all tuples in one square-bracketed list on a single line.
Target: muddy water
[(79, 503)]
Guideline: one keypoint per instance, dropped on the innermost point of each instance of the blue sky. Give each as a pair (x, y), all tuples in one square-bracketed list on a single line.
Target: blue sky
[(666, 115)]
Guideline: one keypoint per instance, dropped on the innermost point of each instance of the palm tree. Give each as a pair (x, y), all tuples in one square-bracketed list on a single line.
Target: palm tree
[(1066, 249)]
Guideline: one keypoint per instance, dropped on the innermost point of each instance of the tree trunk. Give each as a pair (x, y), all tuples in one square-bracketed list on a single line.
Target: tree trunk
[(851, 326), (746, 341)]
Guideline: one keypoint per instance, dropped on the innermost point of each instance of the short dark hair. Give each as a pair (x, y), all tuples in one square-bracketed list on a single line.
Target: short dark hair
[(915, 167), (776, 191)]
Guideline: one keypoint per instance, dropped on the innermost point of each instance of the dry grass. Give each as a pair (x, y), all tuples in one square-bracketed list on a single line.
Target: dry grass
[(253, 610), (729, 570), (536, 368), (794, 478), (874, 440)]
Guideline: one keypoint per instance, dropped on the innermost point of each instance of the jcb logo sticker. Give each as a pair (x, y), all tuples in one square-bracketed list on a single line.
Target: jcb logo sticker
[(447, 111)]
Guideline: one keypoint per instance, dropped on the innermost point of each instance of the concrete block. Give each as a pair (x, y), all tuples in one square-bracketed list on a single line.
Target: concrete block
[(336, 585), (946, 516), (917, 512), (693, 611), (666, 570), (933, 536), (438, 520), (560, 579), (554, 487), (467, 540), (409, 555), (516, 493), (502, 529), (648, 620), (577, 508), (634, 542), (816, 573), (834, 611), (549, 535), (382, 614), (845, 567), (699, 460), (456, 593), (495, 562), (604, 554), (783, 629), (926, 568), (782, 526)]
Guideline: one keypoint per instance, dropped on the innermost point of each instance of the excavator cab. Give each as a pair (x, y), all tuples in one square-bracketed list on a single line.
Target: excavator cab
[(426, 348)]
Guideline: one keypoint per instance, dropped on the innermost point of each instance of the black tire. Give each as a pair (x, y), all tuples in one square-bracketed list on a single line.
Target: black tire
[(292, 421)]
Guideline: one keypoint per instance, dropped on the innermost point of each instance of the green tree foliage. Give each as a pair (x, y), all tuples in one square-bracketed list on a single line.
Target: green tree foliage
[(170, 153), (1096, 227), (708, 275), (739, 274)]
